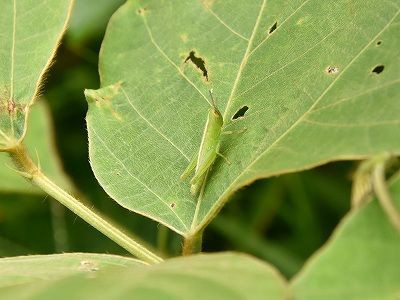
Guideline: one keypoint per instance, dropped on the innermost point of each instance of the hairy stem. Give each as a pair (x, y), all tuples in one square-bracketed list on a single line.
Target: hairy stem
[(192, 244), (31, 171), (383, 195)]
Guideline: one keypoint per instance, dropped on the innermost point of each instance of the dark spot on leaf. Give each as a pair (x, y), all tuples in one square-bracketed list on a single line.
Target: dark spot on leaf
[(378, 69), (172, 204), (198, 62), (240, 113), (378, 43), (273, 27), (141, 11), (332, 70)]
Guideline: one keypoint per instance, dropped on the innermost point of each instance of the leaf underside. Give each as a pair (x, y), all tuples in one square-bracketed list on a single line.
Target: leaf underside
[(320, 80), (77, 276), (29, 34)]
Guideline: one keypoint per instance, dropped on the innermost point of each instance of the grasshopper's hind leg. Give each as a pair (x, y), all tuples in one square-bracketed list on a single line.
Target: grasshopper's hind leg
[(190, 168)]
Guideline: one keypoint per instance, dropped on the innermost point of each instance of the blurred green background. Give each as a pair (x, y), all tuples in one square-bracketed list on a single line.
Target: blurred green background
[(282, 220)]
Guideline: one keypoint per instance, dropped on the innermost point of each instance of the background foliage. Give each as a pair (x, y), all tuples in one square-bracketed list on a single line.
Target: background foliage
[(282, 220)]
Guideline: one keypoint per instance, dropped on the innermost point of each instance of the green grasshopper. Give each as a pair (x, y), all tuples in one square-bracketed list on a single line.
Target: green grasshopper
[(209, 149)]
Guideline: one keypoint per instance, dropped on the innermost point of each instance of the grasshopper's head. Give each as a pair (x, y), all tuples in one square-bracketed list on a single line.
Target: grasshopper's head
[(216, 114)]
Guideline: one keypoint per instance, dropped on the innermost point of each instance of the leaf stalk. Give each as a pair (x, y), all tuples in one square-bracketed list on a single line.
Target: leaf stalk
[(30, 170), (192, 244), (383, 195)]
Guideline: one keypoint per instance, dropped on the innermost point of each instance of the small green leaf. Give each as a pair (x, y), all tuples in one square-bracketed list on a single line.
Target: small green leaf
[(361, 261), (30, 33), (320, 81), (215, 276)]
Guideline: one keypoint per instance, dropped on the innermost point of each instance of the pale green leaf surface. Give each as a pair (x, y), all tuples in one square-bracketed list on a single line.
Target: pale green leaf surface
[(25, 269), (212, 276), (29, 34), (145, 127), (40, 143), (361, 261)]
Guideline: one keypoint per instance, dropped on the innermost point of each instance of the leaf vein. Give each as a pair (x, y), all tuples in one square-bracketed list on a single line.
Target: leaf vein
[(327, 124), (137, 179), (226, 25), (152, 125), (169, 59), (245, 57), (283, 22), (365, 92), (286, 65)]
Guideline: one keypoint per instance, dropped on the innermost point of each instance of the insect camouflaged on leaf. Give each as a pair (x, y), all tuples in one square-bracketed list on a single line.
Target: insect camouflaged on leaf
[(208, 151)]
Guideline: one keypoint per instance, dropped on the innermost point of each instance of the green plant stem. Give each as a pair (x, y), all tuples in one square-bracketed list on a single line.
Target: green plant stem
[(383, 195), (192, 243), (162, 239), (29, 169)]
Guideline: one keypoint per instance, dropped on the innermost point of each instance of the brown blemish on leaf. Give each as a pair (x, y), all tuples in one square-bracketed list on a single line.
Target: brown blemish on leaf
[(11, 107), (89, 266), (207, 3), (184, 37), (141, 11), (332, 70), (302, 20), (104, 96)]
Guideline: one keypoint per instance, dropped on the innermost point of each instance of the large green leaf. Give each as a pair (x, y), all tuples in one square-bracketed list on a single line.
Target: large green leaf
[(30, 32), (39, 140), (320, 80), (361, 261), (217, 276)]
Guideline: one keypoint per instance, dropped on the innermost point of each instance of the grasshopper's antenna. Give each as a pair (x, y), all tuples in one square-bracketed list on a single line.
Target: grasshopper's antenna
[(212, 98)]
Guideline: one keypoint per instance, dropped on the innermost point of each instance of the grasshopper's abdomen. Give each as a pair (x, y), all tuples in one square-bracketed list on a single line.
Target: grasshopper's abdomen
[(211, 137)]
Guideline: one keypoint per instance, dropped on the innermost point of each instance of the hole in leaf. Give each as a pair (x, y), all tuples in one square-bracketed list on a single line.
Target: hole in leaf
[(378, 69), (240, 113), (198, 62), (273, 27), (378, 43), (172, 204)]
